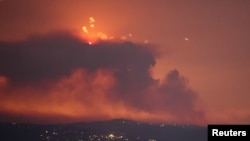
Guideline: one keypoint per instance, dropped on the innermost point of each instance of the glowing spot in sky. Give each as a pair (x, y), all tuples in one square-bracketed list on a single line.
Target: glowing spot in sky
[(91, 20), (91, 35), (92, 25), (84, 28), (186, 39)]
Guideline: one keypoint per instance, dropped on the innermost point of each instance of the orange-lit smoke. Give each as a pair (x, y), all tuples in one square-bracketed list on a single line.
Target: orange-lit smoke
[(58, 77), (85, 96), (82, 96)]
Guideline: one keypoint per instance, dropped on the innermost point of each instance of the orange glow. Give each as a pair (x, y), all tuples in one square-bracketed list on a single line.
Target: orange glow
[(77, 98), (88, 96), (124, 37), (81, 96), (92, 25), (111, 37), (91, 34), (85, 30), (102, 36), (91, 20)]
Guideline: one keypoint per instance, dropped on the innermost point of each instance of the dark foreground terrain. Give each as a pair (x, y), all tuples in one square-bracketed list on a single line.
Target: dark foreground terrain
[(115, 130)]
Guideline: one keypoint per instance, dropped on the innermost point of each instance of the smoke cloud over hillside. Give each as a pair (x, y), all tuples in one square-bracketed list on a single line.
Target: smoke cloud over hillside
[(60, 77)]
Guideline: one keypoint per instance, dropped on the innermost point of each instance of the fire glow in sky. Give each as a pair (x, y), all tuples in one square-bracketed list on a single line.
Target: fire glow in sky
[(90, 35), (86, 61)]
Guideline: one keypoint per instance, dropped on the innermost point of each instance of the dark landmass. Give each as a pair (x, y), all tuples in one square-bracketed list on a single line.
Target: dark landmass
[(114, 130)]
